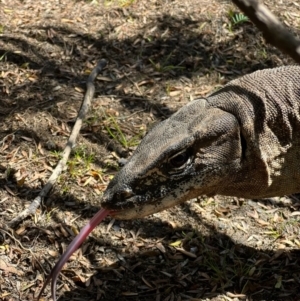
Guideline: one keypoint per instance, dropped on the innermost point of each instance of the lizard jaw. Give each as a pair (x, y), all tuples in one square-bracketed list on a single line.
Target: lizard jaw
[(140, 206), (139, 212), (131, 208), (136, 204)]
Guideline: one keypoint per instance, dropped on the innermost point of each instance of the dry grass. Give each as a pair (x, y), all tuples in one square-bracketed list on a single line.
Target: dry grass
[(161, 54)]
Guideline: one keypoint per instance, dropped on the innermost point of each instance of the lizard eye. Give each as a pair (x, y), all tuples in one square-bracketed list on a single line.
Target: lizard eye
[(179, 160)]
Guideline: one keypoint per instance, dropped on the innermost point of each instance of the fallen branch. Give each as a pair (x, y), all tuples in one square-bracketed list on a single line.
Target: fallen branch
[(273, 30), (70, 144)]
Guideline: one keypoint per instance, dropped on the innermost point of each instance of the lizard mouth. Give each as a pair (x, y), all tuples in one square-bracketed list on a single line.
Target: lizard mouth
[(139, 206), (143, 198), (133, 213), (135, 206)]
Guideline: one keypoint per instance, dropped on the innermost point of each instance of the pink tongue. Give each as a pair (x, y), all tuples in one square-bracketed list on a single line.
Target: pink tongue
[(77, 241)]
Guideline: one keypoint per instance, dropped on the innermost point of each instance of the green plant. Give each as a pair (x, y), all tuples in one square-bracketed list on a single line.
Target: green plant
[(3, 56), (263, 53), (81, 156), (80, 162), (168, 89), (56, 154), (239, 18), (122, 3), (115, 131), (236, 19), (274, 233), (164, 66), (49, 214)]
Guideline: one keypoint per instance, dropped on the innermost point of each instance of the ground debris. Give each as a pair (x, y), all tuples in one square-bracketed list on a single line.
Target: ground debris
[(161, 54)]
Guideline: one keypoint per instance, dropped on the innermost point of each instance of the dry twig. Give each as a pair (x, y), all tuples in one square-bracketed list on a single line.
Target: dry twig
[(274, 32), (70, 144)]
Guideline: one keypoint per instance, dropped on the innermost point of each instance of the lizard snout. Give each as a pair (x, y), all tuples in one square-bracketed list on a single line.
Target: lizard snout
[(119, 198)]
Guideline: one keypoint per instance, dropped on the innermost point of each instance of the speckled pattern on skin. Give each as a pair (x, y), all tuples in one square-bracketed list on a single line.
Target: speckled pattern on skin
[(243, 140)]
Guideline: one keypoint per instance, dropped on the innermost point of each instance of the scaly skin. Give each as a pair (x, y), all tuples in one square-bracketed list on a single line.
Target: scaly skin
[(243, 140)]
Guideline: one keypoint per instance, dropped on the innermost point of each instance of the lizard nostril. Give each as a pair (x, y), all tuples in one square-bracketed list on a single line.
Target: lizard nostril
[(124, 194)]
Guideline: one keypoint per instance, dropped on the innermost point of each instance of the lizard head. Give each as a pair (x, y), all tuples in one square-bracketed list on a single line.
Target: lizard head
[(187, 155)]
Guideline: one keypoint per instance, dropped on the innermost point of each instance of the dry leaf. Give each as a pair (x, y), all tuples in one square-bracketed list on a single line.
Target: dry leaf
[(104, 78), (146, 282), (9, 190), (21, 182), (174, 93), (9, 268), (161, 248), (189, 254), (253, 214), (53, 253), (262, 222), (21, 230), (176, 243)]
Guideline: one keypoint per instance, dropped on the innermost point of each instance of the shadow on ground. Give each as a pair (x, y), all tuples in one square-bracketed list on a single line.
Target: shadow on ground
[(43, 74), (219, 265)]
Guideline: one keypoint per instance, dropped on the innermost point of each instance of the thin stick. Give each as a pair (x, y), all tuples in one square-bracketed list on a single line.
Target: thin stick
[(273, 30), (70, 144)]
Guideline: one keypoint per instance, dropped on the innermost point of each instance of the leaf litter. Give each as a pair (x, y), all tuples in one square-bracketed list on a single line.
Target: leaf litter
[(161, 54)]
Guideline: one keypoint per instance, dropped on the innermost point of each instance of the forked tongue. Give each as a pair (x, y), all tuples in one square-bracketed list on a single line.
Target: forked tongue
[(75, 244)]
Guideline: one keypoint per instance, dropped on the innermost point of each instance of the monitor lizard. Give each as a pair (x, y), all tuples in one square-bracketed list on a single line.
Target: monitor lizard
[(243, 140)]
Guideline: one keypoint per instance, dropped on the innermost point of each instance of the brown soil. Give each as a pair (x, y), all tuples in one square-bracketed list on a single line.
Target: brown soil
[(161, 54)]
